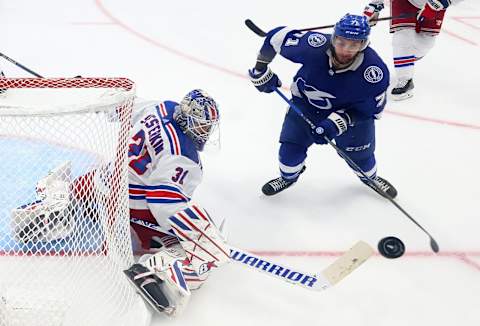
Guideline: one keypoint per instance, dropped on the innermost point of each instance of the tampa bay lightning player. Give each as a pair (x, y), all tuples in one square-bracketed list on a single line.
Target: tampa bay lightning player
[(341, 87)]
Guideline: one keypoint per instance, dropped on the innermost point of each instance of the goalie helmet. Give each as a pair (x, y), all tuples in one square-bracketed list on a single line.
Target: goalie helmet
[(198, 117), (352, 27)]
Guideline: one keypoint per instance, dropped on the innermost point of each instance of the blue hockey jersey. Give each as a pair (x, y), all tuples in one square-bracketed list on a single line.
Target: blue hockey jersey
[(318, 89)]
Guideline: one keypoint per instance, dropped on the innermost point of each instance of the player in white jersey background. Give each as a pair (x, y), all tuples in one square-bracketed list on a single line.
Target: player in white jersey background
[(413, 35)]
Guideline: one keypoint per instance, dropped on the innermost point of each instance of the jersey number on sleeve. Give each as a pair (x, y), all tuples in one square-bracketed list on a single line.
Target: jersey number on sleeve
[(180, 175), (138, 154)]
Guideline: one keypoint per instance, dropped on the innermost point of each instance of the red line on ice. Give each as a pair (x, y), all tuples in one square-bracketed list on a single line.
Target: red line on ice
[(462, 256), (462, 21), (460, 37), (469, 262), (334, 253)]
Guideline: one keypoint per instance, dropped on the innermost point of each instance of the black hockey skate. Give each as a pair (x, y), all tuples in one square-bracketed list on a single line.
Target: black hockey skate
[(148, 286), (277, 185), (387, 189), (403, 90)]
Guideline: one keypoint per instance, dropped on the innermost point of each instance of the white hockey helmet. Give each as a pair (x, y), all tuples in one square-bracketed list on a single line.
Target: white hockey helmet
[(198, 117)]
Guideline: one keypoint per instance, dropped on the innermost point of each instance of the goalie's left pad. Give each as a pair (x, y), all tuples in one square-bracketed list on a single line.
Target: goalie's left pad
[(48, 218), (42, 221), (203, 242)]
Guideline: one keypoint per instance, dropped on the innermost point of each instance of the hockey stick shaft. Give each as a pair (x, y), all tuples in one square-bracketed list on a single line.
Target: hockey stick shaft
[(373, 185), (328, 277), (373, 20), (257, 30), (20, 65)]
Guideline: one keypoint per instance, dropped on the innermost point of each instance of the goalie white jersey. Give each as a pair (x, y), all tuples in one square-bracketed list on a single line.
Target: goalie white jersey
[(164, 164), (421, 3)]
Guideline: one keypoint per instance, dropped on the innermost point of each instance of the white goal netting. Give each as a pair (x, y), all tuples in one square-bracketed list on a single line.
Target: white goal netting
[(64, 225)]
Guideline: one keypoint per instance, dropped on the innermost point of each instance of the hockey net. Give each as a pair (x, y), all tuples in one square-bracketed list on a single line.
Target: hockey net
[(64, 226)]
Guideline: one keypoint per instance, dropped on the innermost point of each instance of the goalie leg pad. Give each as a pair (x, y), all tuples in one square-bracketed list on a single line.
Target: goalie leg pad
[(49, 217), (41, 221), (55, 187)]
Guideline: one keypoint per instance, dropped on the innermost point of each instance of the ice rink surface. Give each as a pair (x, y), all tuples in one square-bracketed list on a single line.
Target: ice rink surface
[(427, 147)]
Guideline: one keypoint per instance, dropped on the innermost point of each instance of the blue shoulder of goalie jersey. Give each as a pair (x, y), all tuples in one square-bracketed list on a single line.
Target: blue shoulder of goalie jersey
[(178, 142)]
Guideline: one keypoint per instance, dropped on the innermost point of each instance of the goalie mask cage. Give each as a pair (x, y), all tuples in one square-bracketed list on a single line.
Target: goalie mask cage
[(64, 220)]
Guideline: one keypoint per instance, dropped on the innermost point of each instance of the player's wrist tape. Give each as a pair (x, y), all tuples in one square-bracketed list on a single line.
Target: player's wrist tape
[(374, 7), (263, 78), (438, 5), (341, 121)]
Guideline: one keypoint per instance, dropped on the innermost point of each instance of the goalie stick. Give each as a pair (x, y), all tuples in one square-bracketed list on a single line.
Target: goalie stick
[(257, 30), (373, 185), (320, 281)]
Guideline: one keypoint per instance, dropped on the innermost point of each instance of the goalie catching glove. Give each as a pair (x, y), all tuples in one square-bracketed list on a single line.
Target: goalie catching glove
[(165, 279)]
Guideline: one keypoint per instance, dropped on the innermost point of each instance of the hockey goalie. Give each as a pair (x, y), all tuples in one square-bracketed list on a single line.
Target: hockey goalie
[(164, 170)]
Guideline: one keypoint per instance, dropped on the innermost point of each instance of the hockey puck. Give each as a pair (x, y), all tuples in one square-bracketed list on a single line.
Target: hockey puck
[(391, 247)]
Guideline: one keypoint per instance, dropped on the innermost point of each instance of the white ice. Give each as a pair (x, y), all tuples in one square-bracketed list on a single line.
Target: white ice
[(426, 146)]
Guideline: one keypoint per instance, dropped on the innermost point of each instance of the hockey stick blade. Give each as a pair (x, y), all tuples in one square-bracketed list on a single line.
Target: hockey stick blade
[(348, 262), (328, 277), (434, 245), (254, 28)]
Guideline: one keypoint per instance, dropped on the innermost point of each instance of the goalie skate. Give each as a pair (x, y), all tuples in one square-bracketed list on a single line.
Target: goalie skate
[(149, 287)]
